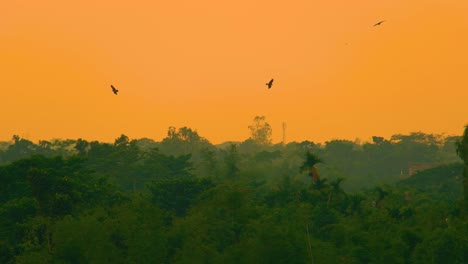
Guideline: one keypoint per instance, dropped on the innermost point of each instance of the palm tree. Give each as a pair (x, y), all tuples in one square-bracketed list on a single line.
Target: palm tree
[(309, 164), (381, 194), (335, 188), (462, 151)]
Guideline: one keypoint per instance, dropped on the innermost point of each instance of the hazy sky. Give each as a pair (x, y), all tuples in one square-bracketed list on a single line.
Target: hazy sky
[(204, 64)]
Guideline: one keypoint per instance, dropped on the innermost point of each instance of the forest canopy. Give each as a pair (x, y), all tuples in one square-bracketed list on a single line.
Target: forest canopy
[(185, 200)]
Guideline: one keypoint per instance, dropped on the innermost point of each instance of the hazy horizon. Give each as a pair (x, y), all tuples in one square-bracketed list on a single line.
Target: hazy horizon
[(276, 140)]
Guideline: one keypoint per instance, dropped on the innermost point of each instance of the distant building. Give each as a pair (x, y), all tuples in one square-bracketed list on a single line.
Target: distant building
[(414, 167)]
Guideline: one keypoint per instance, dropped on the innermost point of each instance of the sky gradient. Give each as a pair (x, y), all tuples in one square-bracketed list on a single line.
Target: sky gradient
[(204, 64)]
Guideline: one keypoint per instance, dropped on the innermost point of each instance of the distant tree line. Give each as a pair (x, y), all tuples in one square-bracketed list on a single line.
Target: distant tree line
[(185, 200)]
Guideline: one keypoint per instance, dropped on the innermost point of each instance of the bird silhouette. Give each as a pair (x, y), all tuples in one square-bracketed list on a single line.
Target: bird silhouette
[(270, 83), (379, 23), (114, 90)]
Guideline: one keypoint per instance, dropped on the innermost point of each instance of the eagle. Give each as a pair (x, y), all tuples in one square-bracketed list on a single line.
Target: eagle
[(270, 83), (379, 23), (115, 91)]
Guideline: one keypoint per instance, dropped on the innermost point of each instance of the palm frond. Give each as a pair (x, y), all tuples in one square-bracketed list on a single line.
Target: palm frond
[(310, 161)]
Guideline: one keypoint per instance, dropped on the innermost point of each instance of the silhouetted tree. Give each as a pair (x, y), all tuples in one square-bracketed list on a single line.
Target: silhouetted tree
[(377, 140), (309, 164), (260, 131), (21, 148), (82, 147), (183, 141)]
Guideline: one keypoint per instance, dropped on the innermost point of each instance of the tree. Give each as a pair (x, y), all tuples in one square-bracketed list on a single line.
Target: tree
[(21, 148), (377, 140), (417, 137), (125, 156), (45, 148), (209, 162), (178, 194), (231, 160), (44, 190), (122, 141), (335, 189), (156, 165), (309, 164), (462, 151), (183, 141), (260, 131), (82, 147)]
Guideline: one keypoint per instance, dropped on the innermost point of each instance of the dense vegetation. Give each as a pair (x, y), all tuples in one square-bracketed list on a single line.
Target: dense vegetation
[(185, 200)]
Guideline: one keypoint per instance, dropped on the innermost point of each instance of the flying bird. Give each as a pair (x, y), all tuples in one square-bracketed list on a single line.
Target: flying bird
[(270, 83), (114, 90), (379, 23)]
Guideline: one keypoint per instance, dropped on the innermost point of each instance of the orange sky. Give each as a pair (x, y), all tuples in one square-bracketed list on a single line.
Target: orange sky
[(204, 64)]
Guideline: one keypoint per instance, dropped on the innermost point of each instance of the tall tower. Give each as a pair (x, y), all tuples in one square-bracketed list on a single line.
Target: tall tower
[(284, 133)]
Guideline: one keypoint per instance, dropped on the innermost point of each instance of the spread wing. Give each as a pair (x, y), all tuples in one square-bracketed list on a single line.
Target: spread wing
[(270, 83), (113, 89), (378, 23)]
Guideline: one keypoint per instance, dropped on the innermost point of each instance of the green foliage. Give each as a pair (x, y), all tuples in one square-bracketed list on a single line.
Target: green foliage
[(231, 160), (161, 166), (183, 141), (267, 156), (177, 194), (185, 201), (309, 164), (442, 246), (310, 161), (462, 151), (209, 165), (462, 146)]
